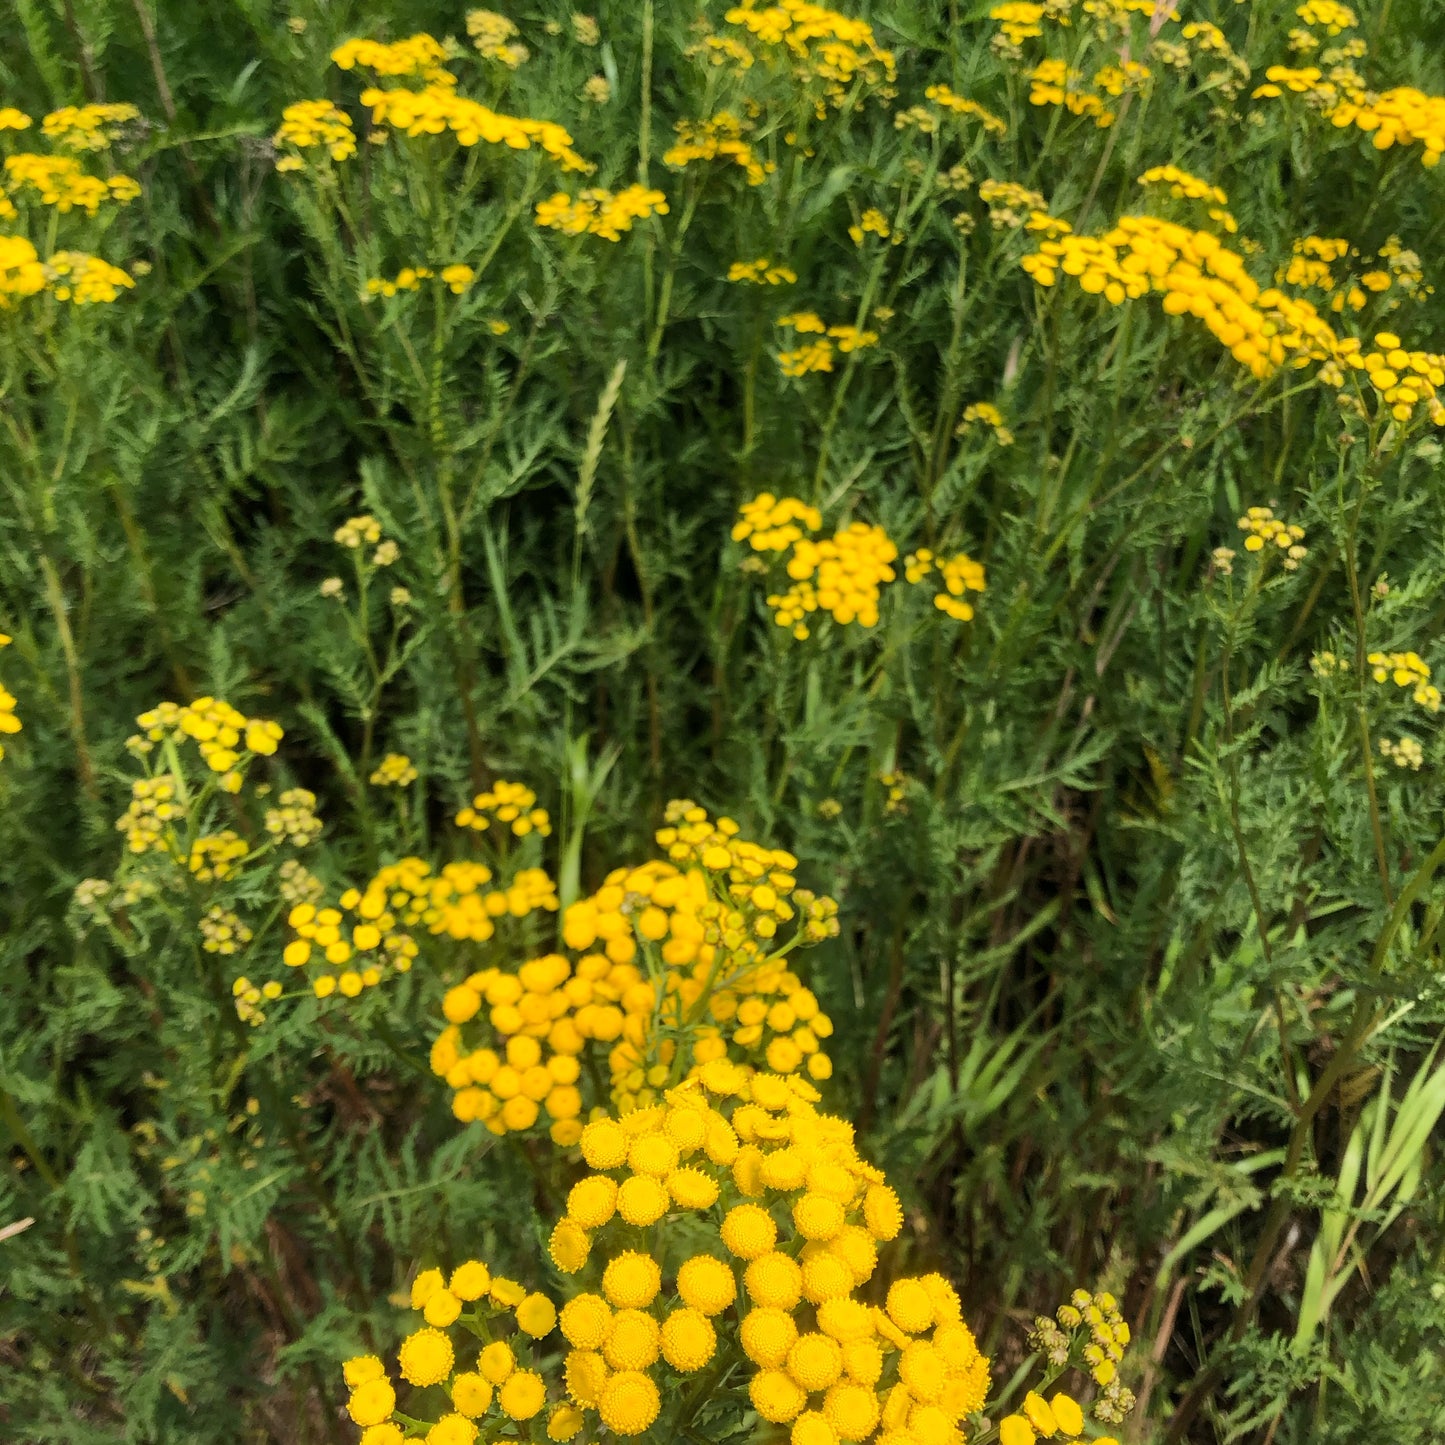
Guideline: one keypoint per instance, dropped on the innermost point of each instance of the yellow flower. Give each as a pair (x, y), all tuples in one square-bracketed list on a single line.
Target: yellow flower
[(523, 1395), (536, 1316), (629, 1403), (707, 1284), (688, 1340), (372, 1402), (426, 1357), (472, 1394)]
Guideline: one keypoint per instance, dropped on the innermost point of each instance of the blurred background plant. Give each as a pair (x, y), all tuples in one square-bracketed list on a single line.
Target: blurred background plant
[(477, 408)]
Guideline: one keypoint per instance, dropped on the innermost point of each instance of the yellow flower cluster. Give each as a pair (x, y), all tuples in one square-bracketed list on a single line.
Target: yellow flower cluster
[(480, 1303), (1054, 82), (1019, 20), (217, 855), (9, 723), (512, 803), (248, 996), (987, 413), (841, 575), (309, 123), (87, 127), (395, 770), (494, 37), (1261, 527), (454, 903), (600, 212), (1406, 753), (719, 136), (1403, 380), (1401, 116), (154, 803), (1406, 669), (823, 45), (225, 737), (1183, 186), (417, 55), (438, 109), (61, 182), (773, 524), (1011, 205), (84, 280), (764, 1225), (294, 820), (1127, 75), (1310, 267), (1094, 1319), (227, 741), (1198, 276), (818, 355), (222, 932), (942, 96), (1042, 1419), (456, 278), (12, 119), (960, 575), (762, 272), (1328, 15), (872, 223), (676, 965)]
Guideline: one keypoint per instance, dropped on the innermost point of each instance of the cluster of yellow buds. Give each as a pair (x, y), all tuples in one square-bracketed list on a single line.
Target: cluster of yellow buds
[(1091, 1328), (1327, 664), (1261, 528), (873, 223), (418, 54), (1406, 669), (773, 524), (1329, 15), (456, 278), (991, 417), (395, 770), (248, 997), (222, 932), (1184, 186), (720, 137), (217, 855), (1053, 82), (1198, 276), (1010, 205), (88, 127), (494, 37), (1406, 753), (154, 803), (941, 95), (294, 820), (310, 124), (818, 355), (959, 574), (512, 803), (839, 52), (600, 212), (225, 737), (762, 272), (1403, 380)]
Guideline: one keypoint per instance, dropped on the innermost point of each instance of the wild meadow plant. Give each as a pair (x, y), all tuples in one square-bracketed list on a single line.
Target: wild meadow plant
[(741, 700)]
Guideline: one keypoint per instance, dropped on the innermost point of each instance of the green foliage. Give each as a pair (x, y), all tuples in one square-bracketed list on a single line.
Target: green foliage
[(1139, 980)]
